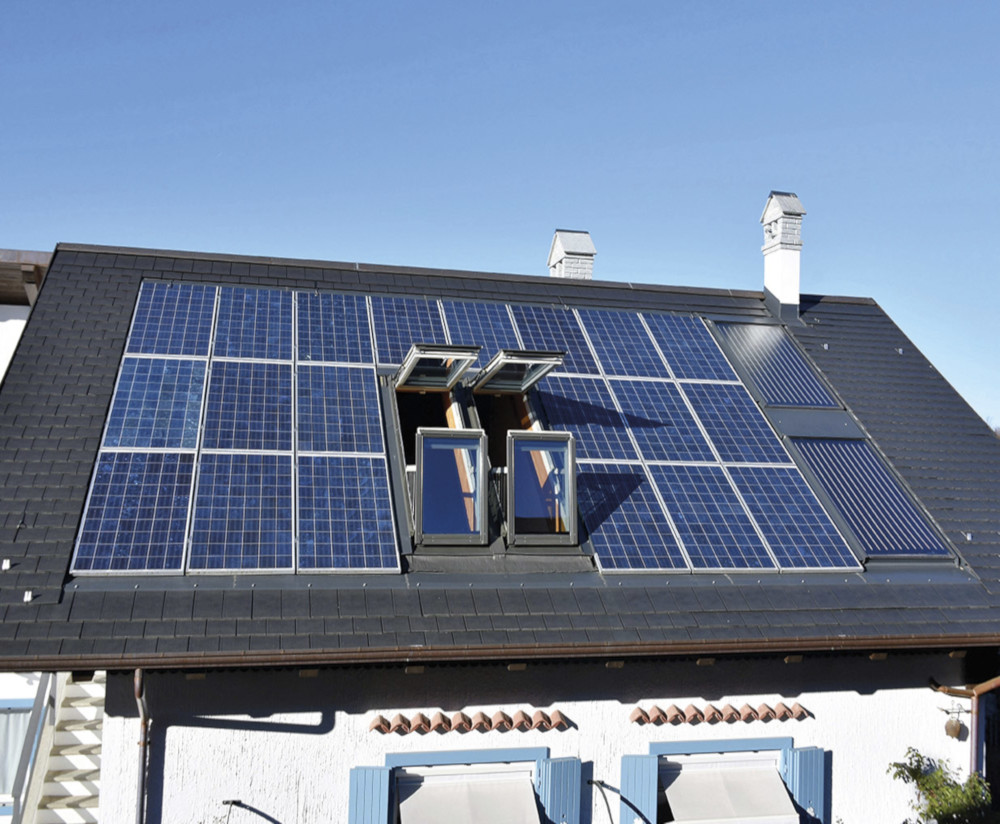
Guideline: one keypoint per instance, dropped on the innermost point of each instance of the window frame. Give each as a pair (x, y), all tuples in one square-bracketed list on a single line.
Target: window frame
[(478, 538), (571, 537)]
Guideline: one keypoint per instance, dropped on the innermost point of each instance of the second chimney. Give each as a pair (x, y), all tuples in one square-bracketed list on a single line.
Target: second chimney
[(782, 248), (572, 255)]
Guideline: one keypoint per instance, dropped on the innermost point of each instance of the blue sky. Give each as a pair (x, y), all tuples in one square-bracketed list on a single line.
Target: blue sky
[(459, 135)]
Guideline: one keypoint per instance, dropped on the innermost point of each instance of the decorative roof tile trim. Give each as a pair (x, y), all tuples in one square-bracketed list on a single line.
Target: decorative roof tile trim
[(461, 722), (712, 714)]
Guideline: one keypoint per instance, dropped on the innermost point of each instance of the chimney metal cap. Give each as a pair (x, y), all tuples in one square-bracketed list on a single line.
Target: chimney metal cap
[(570, 242), (787, 203)]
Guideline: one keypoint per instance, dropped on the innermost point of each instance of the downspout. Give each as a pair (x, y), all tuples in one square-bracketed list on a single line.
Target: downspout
[(970, 692), (140, 702)]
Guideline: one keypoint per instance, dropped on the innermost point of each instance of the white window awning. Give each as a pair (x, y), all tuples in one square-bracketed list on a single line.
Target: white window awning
[(724, 793), (496, 799)]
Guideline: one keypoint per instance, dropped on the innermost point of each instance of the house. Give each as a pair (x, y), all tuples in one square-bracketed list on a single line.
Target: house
[(371, 544)]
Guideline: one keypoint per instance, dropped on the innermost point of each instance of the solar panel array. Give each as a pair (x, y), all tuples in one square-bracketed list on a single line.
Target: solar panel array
[(245, 433)]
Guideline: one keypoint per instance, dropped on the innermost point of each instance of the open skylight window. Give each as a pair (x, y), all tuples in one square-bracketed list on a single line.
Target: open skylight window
[(515, 371), (541, 488), (434, 366)]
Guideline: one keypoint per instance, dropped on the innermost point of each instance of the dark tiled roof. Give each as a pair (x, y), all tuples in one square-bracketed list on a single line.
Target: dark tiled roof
[(57, 392)]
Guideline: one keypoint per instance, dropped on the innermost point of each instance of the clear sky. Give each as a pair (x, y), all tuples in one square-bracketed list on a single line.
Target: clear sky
[(461, 134)]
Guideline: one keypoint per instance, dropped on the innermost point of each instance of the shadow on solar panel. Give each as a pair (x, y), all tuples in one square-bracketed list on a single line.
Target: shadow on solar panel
[(562, 410), (601, 494)]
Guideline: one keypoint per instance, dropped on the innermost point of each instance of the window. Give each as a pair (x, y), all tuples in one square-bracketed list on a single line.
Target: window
[(541, 488), (433, 366), (450, 490)]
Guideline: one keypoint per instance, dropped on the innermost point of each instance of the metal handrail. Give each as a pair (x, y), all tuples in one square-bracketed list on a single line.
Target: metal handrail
[(40, 713)]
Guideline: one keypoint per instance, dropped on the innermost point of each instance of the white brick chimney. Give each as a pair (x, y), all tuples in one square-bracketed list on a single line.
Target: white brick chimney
[(572, 255), (782, 248)]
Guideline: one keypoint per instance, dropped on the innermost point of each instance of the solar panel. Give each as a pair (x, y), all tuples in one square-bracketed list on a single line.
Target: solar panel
[(689, 348), (660, 421), (157, 404), (552, 329), (583, 406), (622, 344), (242, 513), (402, 322), (338, 410), (249, 406), (480, 324), (254, 323), (776, 366), (137, 513), (172, 319), (881, 514), (345, 515), (796, 526), (712, 523), (625, 522), (736, 426), (333, 328)]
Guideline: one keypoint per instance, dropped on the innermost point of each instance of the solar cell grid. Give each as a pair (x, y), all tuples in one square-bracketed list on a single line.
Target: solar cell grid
[(254, 323), (877, 509), (660, 421), (625, 522), (136, 514), (333, 327), (402, 322), (345, 515), (338, 410), (249, 406), (689, 347), (555, 330), (583, 406), (736, 426), (172, 319), (480, 324), (157, 403), (712, 523), (776, 366), (799, 531), (622, 344)]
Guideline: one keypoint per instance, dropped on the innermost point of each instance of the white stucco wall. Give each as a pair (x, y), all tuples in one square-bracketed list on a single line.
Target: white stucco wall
[(12, 320), (294, 764), (18, 686)]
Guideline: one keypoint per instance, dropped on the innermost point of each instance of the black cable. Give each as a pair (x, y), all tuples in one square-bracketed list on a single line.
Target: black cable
[(604, 795)]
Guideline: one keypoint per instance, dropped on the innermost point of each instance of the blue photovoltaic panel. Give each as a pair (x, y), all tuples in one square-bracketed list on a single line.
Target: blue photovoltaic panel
[(738, 429), (137, 513), (660, 421), (333, 328), (402, 322), (249, 406), (157, 403), (172, 319), (555, 330), (689, 348), (254, 323), (877, 509), (799, 531), (625, 522), (583, 406), (712, 523), (345, 515), (622, 344), (338, 410), (480, 324), (242, 513), (776, 366)]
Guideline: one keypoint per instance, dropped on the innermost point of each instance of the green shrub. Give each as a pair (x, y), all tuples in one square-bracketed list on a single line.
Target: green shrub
[(941, 797)]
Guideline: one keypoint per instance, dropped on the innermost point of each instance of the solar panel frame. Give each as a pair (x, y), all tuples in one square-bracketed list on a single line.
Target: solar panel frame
[(555, 329), (332, 327), (337, 409), (622, 343), (400, 322), (249, 406), (585, 407), (688, 347), (162, 307), (478, 323), (674, 434), (735, 425), (254, 323)]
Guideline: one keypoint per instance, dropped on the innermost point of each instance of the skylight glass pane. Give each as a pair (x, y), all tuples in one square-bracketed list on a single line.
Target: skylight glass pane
[(338, 410), (713, 525), (157, 403), (345, 514), (254, 323), (249, 406), (137, 513), (540, 486), (402, 322), (778, 369), (333, 328), (660, 421), (626, 524), (796, 526), (480, 324), (450, 469), (172, 319), (555, 330), (243, 513), (689, 347), (738, 429), (622, 344), (880, 513), (583, 406)]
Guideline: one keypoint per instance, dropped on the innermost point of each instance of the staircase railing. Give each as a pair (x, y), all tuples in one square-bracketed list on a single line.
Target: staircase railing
[(42, 713)]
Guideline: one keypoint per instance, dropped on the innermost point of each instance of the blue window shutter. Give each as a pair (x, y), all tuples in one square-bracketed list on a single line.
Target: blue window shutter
[(804, 772), (639, 783), (558, 785), (369, 802)]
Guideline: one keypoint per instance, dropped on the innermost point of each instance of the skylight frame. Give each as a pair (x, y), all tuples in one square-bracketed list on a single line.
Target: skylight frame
[(478, 476), (539, 362), (457, 360), (571, 536)]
